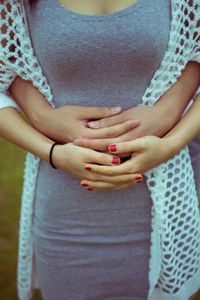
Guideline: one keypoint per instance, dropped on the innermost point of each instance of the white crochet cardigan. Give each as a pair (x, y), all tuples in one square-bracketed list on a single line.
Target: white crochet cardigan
[(175, 251)]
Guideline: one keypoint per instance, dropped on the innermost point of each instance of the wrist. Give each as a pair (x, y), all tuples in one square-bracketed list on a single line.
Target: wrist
[(166, 115), (173, 144), (50, 123), (51, 155), (41, 118)]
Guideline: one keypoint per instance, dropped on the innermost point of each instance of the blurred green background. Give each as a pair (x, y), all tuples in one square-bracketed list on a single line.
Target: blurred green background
[(11, 178)]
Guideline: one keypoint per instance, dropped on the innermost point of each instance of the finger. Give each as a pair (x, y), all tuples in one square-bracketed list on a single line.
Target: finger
[(130, 146), (113, 131), (97, 185), (106, 122), (102, 159), (100, 186), (125, 168), (112, 174), (124, 186), (98, 112), (121, 179), (95, 144)]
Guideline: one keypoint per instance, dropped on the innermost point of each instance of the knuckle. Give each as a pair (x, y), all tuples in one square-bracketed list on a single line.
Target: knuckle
[(102, 158), (111, 173), (144, 143), (109, 132), (102, 110), (106, 111), (102, 146), (90, 177), (129, 169), (102, 123)]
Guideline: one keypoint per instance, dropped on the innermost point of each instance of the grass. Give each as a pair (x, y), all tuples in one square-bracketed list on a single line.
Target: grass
[(11, 176)]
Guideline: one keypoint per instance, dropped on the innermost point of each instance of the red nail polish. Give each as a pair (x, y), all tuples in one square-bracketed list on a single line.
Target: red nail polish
[(89, 189), (88, 168), (84, 184), (139, 178), (116, 160), (112, 148), (139, 181)]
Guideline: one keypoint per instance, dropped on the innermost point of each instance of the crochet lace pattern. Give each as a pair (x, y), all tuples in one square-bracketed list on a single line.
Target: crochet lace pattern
[(175, 250)]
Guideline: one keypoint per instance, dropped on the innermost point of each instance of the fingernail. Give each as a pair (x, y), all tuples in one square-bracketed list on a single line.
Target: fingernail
[(115, 109), (116, 160), (88, 168), (94, 124), (77, 142), (139, 181), (139, 178), (89, 189), (112, 148), (84, 184), (135, 123)]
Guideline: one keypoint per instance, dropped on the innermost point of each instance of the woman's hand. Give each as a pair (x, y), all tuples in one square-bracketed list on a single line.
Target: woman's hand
[(147, 153), (73, 159)]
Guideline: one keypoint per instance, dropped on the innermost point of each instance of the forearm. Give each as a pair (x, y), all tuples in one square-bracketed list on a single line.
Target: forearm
[(172, 104), (16, 130), (32, 102), (163, 115), (187, 128)]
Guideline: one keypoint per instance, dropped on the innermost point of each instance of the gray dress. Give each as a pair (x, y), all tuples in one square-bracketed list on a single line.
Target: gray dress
[(95, 245)]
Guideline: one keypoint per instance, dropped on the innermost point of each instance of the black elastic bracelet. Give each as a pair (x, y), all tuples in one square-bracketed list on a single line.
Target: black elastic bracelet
[(50, 155)]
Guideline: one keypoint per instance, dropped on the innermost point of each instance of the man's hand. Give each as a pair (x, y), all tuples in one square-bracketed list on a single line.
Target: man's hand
[(67, 123), (156, 120), (152, 122)]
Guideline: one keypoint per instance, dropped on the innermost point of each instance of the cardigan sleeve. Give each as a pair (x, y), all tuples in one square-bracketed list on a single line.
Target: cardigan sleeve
[(195, 15), (7, 73), (6, 101)]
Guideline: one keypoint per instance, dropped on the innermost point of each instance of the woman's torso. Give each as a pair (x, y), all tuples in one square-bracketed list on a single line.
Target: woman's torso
[(97, 60)]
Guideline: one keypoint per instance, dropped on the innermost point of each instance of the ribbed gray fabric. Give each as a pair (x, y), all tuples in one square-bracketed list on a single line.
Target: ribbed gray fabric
[(95, 245)]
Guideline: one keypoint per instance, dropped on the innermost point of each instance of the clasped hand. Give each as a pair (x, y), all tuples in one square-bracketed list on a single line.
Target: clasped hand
[(147, 153), (97, 170)]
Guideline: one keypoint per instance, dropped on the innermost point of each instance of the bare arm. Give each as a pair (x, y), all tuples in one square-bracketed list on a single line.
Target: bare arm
[(156, 120), (16, 130), (150, 151), (66, 123), (67, 157)]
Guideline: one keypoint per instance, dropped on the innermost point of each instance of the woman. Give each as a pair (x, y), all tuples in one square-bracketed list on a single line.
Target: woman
[(74, 236)]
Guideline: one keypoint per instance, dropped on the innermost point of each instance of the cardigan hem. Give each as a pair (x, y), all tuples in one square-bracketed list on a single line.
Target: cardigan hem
[(189, 289)]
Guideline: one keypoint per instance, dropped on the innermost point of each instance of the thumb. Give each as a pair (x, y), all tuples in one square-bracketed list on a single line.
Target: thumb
[(130, 146), (99, 112)]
